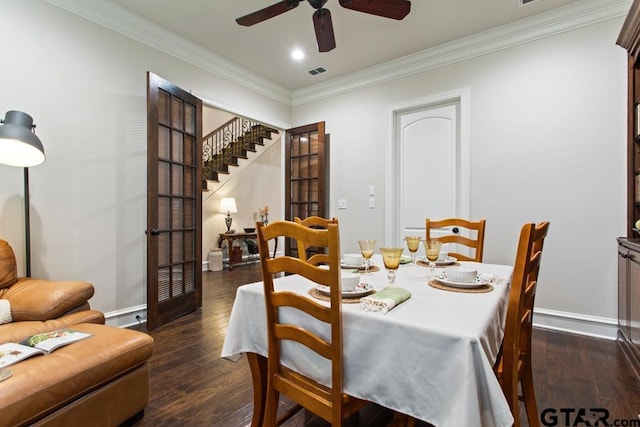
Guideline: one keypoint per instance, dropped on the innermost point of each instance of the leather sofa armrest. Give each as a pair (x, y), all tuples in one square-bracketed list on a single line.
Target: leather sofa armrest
[(38, 299)]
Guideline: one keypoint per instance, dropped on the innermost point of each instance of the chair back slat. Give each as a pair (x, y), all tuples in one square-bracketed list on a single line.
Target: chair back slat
[(315, 222), (474, 242)]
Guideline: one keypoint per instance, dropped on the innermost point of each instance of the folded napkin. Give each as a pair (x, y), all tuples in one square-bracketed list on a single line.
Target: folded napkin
[(385, 300)]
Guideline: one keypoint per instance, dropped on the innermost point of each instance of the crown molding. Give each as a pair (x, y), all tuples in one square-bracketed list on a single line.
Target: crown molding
[(120, 20), (572, 16)]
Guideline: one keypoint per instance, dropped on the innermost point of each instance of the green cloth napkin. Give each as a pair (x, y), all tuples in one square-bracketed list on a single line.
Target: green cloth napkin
[(385, 300)]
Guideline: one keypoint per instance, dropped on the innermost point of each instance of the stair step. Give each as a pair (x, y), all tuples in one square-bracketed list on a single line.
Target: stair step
[(238, 149)]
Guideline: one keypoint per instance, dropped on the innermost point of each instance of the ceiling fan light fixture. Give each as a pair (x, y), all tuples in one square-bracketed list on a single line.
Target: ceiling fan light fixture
[(317, 4), (393, 9)]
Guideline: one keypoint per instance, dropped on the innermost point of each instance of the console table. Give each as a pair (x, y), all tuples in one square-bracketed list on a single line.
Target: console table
[(230, 237)]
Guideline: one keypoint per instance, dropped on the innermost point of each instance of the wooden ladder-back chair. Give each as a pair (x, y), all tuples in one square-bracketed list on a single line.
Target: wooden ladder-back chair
[(476, 243), (329, 403), (315, 222), (513, 365)]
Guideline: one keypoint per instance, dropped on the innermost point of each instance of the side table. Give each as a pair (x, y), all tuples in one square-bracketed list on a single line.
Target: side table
[(230, 237)]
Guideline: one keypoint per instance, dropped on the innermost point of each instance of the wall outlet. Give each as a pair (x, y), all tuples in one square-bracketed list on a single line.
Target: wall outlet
[(342, 203), (372, 202)]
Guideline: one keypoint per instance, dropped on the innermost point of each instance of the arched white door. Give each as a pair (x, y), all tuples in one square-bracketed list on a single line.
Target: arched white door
[(429, 165)]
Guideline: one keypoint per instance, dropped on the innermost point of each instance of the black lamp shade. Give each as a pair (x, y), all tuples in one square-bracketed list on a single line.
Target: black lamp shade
[(19, 146)]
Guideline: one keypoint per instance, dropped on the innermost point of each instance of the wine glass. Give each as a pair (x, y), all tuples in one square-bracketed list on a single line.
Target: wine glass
[(432, 248), (413, 243), (391, 259), (366, 248)]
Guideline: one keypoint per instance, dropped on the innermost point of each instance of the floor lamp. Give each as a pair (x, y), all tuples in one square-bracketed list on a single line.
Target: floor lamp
[(20, 147)]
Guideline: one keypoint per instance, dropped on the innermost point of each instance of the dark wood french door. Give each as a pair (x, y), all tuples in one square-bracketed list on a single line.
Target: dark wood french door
[(174, 202), (306, 175)]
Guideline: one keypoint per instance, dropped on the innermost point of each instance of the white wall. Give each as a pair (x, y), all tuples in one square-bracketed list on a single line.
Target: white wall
[(85, 86), (547, 143)]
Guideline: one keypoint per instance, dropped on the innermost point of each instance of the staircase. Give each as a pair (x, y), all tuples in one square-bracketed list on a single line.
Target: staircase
[(232, 141)]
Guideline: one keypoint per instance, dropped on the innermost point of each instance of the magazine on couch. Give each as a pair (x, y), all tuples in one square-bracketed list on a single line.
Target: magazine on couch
[(43, 343)]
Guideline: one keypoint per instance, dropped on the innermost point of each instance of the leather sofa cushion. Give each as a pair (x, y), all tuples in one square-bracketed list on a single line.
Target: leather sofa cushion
[(41, 385), (17, 331), (8, 268), (36, 299)]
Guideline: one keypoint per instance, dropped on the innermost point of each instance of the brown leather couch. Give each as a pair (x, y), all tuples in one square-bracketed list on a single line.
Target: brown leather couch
[(100, 381)]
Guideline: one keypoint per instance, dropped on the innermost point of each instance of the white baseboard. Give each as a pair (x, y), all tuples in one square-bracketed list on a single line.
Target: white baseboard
[(127, 316), (580, 324)]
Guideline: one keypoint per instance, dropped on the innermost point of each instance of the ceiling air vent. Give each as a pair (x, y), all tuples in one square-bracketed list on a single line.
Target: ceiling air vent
[(318, 70), (523, 2)]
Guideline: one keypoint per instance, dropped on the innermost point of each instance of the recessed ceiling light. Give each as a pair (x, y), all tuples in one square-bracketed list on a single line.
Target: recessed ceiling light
[(297, 54)]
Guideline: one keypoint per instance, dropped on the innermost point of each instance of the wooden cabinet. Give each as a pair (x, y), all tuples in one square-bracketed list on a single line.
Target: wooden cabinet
[(629, 39), (629, 298), (306, 175), (629, 246)]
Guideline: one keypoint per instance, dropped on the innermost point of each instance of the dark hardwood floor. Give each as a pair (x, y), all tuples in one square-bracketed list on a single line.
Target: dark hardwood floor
[(192, 386)]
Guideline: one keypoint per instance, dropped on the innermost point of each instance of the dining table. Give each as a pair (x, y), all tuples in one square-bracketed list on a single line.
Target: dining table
[(430, 357)]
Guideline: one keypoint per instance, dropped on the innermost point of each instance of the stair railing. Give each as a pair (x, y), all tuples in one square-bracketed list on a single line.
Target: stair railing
[(220, 147)]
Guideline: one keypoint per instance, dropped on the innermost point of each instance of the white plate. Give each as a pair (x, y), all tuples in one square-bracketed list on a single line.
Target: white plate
[(475, 284), (447, 261), (358, 292)]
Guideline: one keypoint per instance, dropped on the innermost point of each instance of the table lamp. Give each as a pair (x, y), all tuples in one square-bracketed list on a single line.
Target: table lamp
[(19, 146), (228, 205)]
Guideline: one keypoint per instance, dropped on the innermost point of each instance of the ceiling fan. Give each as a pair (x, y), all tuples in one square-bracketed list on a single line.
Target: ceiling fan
[(394, 9)]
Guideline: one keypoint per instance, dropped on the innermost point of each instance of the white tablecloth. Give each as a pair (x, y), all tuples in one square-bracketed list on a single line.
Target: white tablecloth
[(431, 357)]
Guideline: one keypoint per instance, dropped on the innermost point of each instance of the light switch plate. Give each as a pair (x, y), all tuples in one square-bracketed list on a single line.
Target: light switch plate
[(372, 202), (342, 203)]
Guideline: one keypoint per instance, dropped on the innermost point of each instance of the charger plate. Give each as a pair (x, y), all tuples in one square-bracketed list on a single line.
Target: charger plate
[(360, 269), (346, 300), (479, 290)]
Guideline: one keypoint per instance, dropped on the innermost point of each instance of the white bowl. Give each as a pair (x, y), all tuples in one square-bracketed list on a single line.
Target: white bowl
[(349, 281), (461, 274), (352, 260)]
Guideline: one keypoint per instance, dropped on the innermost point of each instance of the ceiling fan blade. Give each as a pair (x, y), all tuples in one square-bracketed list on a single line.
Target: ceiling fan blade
[(394, 9), (268, 12), (324, 30)]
